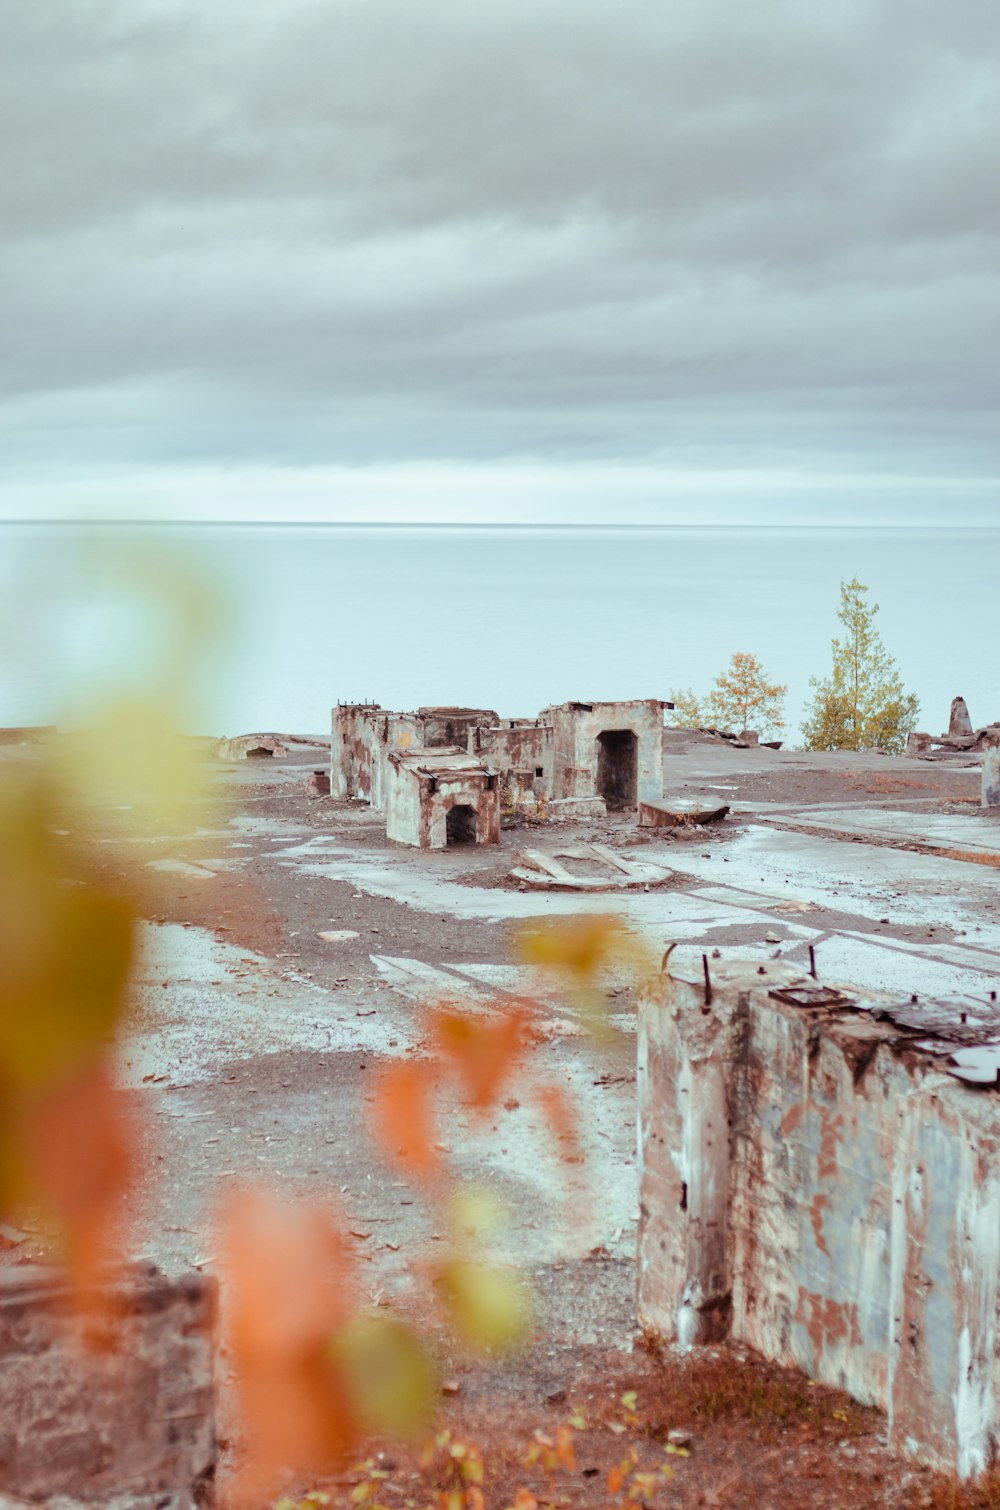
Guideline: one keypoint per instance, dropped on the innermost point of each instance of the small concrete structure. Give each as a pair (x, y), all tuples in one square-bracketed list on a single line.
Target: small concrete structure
[(251, 747), (439, 797), (820, 1179), (131, 1424), (364, 735)]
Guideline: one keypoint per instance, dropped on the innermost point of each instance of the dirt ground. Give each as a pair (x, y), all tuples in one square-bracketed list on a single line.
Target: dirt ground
[(256, 1039)]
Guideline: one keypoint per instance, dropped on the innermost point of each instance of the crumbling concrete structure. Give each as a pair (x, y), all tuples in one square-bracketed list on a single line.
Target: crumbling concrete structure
[(251, 747), (133, 1423), (593, 756), (364, 735), (821, 1180), (439, 797)]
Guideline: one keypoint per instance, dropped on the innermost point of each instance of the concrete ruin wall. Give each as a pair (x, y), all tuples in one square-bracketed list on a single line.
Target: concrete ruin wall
[(419, 802), (521, 750), (135, 1425), (813, 1186), (577, 731)]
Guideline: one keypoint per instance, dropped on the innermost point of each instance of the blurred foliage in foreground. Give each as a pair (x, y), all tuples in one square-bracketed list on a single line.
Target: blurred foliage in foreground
[(318, 1368)]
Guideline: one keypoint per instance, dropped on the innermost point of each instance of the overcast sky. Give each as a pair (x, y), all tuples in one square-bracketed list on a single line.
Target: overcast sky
[(648, 259)]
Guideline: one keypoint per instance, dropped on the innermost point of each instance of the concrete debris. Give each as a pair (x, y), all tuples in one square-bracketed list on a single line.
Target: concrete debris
[(576, 810), (821, 1180), (679, 814), (961, 738), (318, 784), (131, 1426), (584, 867)]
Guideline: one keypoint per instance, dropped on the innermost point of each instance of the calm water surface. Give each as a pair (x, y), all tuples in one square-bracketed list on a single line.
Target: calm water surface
[(505, 618)]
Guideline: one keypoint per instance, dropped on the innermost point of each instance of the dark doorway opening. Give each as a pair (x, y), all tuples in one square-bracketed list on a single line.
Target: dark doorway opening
[(260, 752), (461, 824), (618, 767)]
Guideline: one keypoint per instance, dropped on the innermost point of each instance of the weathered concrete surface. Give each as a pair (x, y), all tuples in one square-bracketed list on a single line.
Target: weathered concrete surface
[(135, 1426), (818, 1187)]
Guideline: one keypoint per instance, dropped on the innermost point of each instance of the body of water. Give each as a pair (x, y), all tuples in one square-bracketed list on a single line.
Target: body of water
[(284, 621)]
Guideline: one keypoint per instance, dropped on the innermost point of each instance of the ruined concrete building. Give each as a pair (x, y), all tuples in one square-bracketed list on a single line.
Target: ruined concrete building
[(579, 758), (821, 1180), (437, 797)]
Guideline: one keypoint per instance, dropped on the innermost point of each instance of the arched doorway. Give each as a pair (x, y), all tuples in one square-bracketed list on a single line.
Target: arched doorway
[(461, 824), (618, 767)]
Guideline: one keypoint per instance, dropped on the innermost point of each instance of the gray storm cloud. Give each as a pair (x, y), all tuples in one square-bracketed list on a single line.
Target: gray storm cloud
[(675, 234)]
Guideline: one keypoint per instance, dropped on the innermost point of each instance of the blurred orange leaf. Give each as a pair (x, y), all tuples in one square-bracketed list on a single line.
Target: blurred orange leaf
[(615, 1480), (403, 1118), (564, 1448), (290, 1287), (558, 1110), (80, 1147), (482, 1053)]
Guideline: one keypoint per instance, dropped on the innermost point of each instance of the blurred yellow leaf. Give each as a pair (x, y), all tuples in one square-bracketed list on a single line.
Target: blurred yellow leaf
[(490, 1307), (390, 1380)]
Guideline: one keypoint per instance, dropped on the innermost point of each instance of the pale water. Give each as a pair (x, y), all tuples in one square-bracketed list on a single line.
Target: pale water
[(509, 618)]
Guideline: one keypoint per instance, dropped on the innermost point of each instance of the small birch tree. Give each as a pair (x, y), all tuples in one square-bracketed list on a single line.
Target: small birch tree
[(862, 703), (687, 709), (743, 698)]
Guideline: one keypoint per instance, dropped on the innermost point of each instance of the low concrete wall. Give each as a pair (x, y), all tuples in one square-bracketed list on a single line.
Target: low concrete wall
[(134, 1426), (816, 1187)]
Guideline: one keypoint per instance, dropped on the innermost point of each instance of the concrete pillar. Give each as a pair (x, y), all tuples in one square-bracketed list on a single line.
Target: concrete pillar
[(991, 777)]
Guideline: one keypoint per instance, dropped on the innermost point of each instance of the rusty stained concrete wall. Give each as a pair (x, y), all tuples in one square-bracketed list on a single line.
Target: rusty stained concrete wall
[(136, 1425), (421, 792), (814, 1190), (519, 750)]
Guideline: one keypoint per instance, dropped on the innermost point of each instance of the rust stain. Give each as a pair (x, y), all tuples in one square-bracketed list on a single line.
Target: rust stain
[(820, 1204), (828, 1322), (792, 1120), (831, 1129)]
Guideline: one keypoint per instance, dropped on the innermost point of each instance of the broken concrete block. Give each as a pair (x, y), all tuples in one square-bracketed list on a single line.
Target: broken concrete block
[(818, 1183), (584, 867), (918, 744), (318, 784), (678, 814), (959, 723), (991, 777), (576, 809), (132, 1424)]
